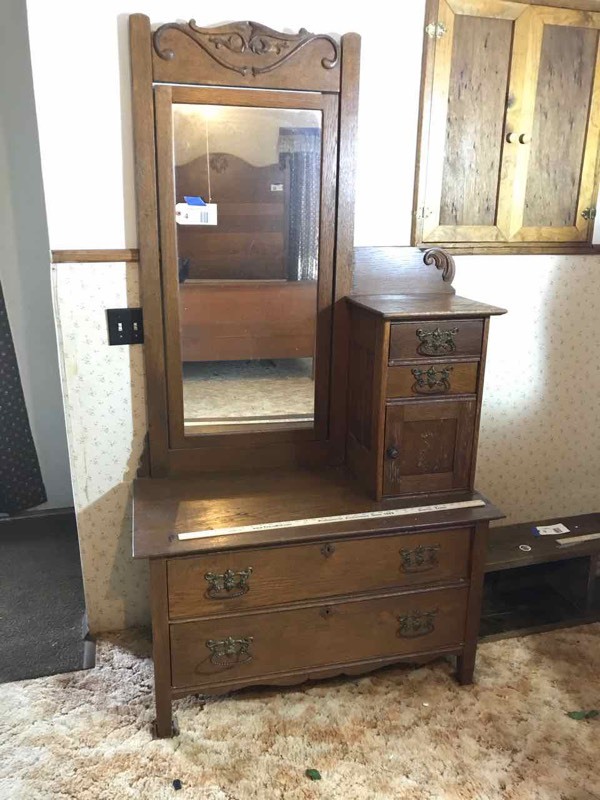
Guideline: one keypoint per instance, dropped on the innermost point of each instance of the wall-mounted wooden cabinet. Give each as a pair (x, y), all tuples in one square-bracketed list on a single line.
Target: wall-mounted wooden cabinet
[(510, 126)]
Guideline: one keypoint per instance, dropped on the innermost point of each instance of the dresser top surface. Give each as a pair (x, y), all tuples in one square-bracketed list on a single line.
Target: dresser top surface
[(411, 306), (167, 507)]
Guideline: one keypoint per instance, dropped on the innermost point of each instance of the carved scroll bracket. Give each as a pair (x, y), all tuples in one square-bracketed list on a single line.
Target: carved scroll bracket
[(443, 261), (245, 47)]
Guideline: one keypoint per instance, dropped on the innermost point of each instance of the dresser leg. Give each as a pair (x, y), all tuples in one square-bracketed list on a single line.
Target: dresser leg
[(164, 726), (465, 666), (465, 663)]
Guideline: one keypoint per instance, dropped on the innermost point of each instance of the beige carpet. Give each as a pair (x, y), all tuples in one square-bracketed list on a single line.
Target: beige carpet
[(241, 389), (398, 733)]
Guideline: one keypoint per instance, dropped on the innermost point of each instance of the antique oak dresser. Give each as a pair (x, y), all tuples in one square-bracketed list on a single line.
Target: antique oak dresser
[(310, 514)]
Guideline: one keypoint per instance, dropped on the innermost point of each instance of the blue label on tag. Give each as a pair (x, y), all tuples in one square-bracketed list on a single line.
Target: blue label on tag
[(194, 201)]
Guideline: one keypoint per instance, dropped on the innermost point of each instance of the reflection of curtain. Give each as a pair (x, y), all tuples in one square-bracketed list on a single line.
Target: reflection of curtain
[(21, 483), (300, 150)]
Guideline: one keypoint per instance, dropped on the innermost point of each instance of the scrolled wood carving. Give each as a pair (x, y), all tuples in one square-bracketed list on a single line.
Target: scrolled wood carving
[(442, 261), (262, 49)]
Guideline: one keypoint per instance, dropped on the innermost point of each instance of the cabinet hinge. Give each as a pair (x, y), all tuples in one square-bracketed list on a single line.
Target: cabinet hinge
[(420, 212), (435, 30), (589, 213)]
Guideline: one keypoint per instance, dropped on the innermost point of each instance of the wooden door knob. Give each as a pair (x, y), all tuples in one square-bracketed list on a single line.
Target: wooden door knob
[(392, 452)]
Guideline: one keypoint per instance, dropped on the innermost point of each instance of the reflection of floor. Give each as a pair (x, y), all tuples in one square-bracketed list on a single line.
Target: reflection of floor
[(258, 389)]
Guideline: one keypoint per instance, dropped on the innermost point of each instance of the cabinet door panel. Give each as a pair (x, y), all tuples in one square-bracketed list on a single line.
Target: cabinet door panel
[(554, 119), (428, 446), (470, 84), (510, 132)]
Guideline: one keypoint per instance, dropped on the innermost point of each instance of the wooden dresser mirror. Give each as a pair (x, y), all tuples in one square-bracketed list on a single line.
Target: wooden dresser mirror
[(244, 251), (309, 508)]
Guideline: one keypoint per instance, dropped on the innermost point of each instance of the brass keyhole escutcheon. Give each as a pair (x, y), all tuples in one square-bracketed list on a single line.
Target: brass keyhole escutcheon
[(328, 550), (326, 612)]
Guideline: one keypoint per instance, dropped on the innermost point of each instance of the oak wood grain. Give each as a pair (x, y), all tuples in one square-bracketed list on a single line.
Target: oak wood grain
[(130, 255), (318, 635), (165, 507), (337, 567), (461, 379), (407, 344), (434, 441)]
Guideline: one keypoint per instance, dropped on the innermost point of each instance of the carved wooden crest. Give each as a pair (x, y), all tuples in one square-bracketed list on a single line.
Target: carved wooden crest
[(247, 48), (443, 261)]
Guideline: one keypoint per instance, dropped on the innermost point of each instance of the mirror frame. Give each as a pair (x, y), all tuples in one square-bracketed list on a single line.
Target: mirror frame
[(241, 64)]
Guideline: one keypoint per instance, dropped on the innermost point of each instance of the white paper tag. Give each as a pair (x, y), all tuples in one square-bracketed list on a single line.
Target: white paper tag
[(552, 530), (186, 214)]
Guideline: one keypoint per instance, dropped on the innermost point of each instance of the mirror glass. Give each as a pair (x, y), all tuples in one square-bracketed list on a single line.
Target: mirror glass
[(247, 194)]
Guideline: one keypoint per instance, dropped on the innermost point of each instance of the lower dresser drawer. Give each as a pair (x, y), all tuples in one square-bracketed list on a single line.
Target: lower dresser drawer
[(250, 645), (243, 580)]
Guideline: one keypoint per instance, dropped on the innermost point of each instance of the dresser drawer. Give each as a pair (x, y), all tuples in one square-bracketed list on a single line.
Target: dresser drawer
[(430, 379), (247, 579), (250, 645), (435, 339)]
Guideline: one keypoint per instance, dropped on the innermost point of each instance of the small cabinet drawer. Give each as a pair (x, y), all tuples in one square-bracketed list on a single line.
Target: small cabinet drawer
[(238, 647), (435, 339), (427, 379), (249, 579)]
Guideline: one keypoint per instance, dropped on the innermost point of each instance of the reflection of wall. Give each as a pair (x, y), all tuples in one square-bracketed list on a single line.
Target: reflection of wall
[(249, 240), (540, 438), (249, 133)]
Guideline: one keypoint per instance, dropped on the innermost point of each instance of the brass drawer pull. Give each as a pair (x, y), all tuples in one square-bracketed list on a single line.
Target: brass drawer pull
[(432, 381), (328, 550), (227, 585), (419, 623), (421, 559), (229, 652), (436, 342)]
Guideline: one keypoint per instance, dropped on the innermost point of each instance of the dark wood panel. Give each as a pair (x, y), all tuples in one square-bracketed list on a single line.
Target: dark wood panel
[(319, 635), (250, 238), (413, 340), (399, 270), (255, 255), (428, 446), (232, 179), (163, 726), (562, 104), (247, 319), (504, 552), (475, 122), (337, 567), (361, 377), (432, 378)]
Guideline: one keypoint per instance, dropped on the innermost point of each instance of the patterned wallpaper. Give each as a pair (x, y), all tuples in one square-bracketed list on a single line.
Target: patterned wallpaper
[(539, 452), (106, 424)]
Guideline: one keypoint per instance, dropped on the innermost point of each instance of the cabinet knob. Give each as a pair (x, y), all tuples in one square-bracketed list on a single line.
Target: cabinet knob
[(511, 137), (525, 138), (392, 452)]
